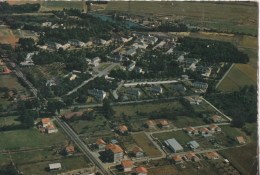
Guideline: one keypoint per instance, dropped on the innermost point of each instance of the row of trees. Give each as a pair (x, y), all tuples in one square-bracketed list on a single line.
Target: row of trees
[(212, 51), (5, 7), (240, 105)]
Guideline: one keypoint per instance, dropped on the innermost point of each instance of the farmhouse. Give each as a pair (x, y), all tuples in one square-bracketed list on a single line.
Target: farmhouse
[(51, 129), (192, 130), (164, 123), (95, 61), (138, 152), (101, 144), (214, 128), (216, 118), (6, 70), (127, 165), (193, 99), (211, 155), (240, 140), (177, 159), (114, 152), (70, 150), (191, 156), (99, 94), (46, 122), (141, 170), (55, 166), (203, 130), (173, 145), (151, 124), (123, 129)]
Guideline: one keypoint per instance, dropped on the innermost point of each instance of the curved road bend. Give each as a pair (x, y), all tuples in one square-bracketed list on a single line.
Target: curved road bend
[(82, 146)]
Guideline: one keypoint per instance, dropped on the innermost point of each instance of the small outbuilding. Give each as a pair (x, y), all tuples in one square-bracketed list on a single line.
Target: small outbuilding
[(193, 144), (55, 166)]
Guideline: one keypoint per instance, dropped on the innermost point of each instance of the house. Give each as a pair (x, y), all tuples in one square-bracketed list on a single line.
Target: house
[(205, 71), (51, 129), (173, 145), (216, 118), (211, 155), (131, 52), (134, 91), (138, 152), (99, 94), (6, 71), (151, 124), (73, 77), (192, 130), (127, 165), (70, 150), (141, 170), (95, 61), (240, 140), (131, 66), (191, 156), (193, 144), (157, 89), (76, 43), (179, 88), (123, 129), (203, 131), (177, 159), (164, 123), (200, 85), (55, 166), (114, 152), (193, 99), (214, 128), (46, 122), (101, 144)]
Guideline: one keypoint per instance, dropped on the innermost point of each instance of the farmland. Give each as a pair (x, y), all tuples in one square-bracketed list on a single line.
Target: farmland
[(205, 14), (10, 120), (149, 148), (30, 138)]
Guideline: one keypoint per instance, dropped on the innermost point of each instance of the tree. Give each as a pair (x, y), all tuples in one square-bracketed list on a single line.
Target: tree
[(107, 109), (27, 118)]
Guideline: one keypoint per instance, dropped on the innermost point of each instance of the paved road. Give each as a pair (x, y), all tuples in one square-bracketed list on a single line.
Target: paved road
[(100, 74), (224, 75), (82, 146)]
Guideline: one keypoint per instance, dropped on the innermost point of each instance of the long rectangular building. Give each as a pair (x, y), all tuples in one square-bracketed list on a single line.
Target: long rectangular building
[(173, 145)]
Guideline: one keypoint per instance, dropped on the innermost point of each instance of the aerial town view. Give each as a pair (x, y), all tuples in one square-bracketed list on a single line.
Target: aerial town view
[(128, 87)]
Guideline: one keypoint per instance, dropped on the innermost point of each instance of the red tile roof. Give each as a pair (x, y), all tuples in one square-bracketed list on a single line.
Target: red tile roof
[(127, 163), (164, 122), (46, 120), (100, 142), (114, 148), (123, 128), (177, 158), (70, 149), (141, 169), (137, 149)]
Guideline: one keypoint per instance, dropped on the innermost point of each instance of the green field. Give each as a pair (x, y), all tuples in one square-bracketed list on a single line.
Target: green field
[(224, 16), (132, 110), (10, 120), (41, 168), (143, 141), (10, 81), (30, 138)]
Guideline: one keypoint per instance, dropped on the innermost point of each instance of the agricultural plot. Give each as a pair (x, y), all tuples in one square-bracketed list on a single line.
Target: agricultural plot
[(10, 120), (30, 138), (7, 36), (149, 148)]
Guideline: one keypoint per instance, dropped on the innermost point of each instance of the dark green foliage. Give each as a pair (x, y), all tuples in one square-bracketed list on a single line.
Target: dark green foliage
[(8, 170), (27, 118), (212, 51), (107, 109), (23, 8), (172, 27), (240, 105), (27, 44)]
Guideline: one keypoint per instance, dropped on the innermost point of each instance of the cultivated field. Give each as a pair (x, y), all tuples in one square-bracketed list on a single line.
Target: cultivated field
[(224, 16), (7, 36), (30, 138), (10, 120), (149, 148)]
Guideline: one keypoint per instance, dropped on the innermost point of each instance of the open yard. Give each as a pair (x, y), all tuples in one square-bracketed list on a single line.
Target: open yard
[(7, 36), (143, 141), (10, 120), (67, 164), (10, 81), (132, 110), (30, 138)]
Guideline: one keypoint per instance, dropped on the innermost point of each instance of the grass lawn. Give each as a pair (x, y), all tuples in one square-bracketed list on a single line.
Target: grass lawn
[(131, 110), (103, 66), (4, 159), (180, 136), (97, 127), (10, 120), (232, 131), (237, 17), (243, 158), (29, 138), (143, 141), (10, 81), (184, 121), (67, 164), (163, 170)]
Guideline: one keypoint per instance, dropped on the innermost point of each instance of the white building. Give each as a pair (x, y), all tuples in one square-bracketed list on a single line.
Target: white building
[(96, 61), (55, 166)]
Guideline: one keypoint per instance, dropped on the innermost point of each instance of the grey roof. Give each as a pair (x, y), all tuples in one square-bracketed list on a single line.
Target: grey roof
[(173, 144), (193, 144)]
